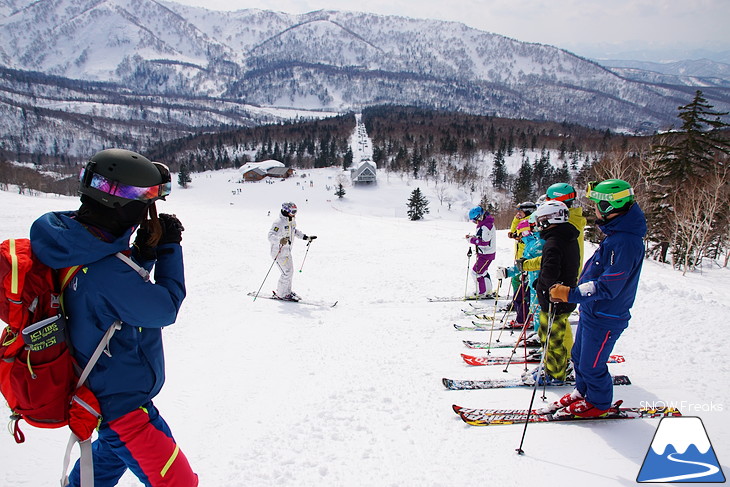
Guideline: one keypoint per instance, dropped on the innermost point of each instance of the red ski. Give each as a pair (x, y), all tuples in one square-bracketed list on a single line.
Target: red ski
[(531, 359)]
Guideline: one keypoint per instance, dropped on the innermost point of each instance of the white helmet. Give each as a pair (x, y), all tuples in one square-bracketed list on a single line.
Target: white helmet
[(549, 213)]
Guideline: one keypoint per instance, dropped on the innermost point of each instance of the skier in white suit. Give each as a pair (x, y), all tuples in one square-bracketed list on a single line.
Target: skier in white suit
[(281, 237)]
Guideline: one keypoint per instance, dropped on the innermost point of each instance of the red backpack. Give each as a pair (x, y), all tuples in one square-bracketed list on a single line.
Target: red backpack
[(37, 372), (38, 376)]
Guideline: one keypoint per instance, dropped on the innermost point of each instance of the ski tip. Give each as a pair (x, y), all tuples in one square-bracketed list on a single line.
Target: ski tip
[(457, 409)]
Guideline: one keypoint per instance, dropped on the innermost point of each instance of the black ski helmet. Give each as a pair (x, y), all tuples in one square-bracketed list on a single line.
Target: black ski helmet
[(115, 177), (527, 207)]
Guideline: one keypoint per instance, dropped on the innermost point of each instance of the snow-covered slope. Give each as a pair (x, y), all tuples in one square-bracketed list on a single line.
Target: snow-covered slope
[(325, 59), (264, 393)]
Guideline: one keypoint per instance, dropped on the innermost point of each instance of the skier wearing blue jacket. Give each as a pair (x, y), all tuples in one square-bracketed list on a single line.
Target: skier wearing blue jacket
[(605, 292), (118, 191)]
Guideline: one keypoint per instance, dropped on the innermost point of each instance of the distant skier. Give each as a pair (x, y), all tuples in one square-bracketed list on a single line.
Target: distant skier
[(484, 240), (281, 237), (606, 292)]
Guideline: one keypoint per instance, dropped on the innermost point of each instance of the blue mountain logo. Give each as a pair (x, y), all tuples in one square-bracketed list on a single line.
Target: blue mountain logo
[(681, 452)]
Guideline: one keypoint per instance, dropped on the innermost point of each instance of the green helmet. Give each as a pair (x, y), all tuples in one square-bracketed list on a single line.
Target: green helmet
[(561, 192), (115, 177), (611, 195)]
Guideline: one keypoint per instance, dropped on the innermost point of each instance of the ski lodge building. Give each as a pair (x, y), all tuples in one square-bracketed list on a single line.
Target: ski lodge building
[(256, 171), (364, 173)]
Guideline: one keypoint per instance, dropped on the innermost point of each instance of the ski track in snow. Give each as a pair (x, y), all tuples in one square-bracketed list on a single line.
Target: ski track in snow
[(263, 393)]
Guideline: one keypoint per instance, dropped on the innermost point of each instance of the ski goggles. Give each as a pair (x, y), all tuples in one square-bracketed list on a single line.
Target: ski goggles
[(564, 197), (604, 201), (94, 180)]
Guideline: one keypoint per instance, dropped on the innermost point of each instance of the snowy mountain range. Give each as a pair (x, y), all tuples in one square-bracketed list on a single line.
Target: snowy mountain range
[(206, 68), (701, 73)]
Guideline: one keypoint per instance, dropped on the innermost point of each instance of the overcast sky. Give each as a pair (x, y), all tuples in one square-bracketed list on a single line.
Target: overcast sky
[(582, 26)]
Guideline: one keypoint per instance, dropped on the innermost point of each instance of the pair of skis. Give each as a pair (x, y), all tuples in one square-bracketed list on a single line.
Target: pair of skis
[(531, 342), (469, 385), (487, 417), (475, 326), (276, 297), (533, 358), (448, 299)]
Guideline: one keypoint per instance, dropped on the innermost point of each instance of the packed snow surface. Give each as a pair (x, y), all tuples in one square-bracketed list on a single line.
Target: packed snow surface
[(267, 393)]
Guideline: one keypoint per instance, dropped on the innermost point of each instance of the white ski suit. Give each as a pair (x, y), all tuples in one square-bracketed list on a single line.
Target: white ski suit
[(284, 227)]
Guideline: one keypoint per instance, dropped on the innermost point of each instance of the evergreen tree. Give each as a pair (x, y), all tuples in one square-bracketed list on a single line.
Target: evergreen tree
[(542, 171), (523, 186), (431, 171), (499, 173), (562, 175), (417, 205), (694, 150), (347, 159), (416, 162), (340, 191), (687, 161), (183, 177), (492, 138)]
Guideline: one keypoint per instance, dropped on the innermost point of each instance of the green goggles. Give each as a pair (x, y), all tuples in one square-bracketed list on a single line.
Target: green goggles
[(596, 196)]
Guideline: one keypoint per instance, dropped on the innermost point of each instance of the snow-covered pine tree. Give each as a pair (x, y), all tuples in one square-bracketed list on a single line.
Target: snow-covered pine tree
[(183, 177), (499, 173), (417, 205), (522, 189), (347, 160), (687, 166)]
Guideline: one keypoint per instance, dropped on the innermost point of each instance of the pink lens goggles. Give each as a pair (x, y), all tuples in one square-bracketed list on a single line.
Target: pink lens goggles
[(115, 188)]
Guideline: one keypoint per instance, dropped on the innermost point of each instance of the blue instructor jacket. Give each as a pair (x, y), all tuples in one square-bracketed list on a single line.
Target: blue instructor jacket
[(607, 286), (106, 290)]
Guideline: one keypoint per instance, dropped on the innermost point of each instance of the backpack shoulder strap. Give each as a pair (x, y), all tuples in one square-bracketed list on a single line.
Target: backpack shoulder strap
[(85, 457), (140, 270), (66, 274)]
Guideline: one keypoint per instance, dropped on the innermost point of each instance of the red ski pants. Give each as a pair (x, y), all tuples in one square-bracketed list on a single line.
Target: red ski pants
[(142, 442)]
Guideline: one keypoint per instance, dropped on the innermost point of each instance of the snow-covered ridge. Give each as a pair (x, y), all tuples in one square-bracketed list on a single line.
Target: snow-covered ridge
[(331, 60)]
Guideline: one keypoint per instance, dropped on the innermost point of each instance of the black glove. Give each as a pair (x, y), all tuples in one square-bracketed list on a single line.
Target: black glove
[(310, 237), (520, 263), (468, 252), (171, 229), (143, 250)]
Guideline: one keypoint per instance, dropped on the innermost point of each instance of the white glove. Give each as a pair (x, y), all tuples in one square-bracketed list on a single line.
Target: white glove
[(501, 273)]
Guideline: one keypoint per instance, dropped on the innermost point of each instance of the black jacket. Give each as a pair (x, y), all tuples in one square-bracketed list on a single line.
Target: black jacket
[(560, 263)]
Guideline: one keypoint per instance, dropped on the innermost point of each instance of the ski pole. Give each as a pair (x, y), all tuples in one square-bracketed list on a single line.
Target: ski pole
[(468, 266), (540, 368), (521, 339), (267, 274), (504, 315), (305, 256), (494, 315)]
